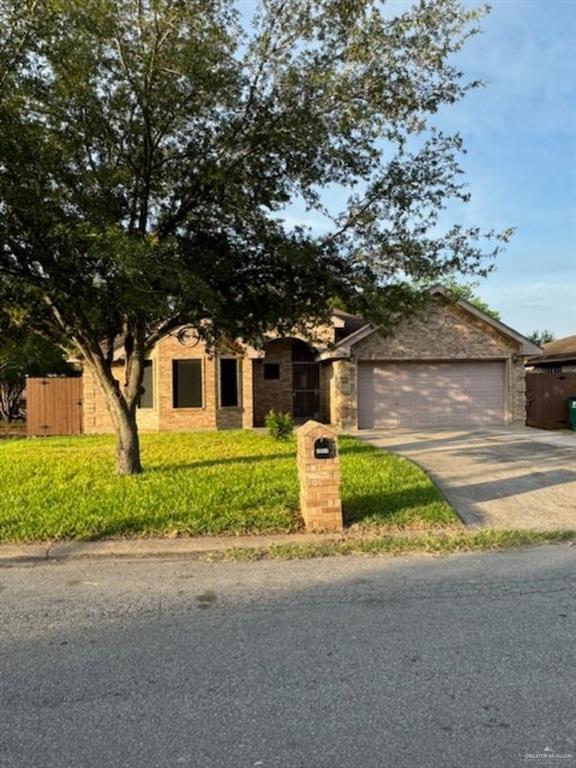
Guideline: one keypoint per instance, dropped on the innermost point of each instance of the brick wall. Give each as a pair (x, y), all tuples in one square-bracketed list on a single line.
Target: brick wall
[(164, 416), (183, 419), (273, 394), (445, 333), (96, 418), (95, 413)]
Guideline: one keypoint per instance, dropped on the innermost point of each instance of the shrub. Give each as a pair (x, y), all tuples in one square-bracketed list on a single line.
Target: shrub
[(280, 425)]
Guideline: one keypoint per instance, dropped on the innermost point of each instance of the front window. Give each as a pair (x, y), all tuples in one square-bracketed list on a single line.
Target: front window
[(228, 382), (187, 383), (271, 371), (147, 394)]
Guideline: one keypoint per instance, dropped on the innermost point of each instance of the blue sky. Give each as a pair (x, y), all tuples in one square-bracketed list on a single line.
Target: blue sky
[(520, 133)]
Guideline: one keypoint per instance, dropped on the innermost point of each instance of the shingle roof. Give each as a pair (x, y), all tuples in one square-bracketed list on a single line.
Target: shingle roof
[(565, 346)]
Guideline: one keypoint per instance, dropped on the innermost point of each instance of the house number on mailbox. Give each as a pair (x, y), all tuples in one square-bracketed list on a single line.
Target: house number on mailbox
[(324, 448)]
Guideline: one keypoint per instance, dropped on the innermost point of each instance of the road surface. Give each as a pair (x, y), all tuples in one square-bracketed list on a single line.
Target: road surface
[(461, 662)]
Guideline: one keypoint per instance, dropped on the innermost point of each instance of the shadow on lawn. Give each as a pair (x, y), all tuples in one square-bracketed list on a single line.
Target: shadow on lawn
[(383, 507), (219, 462), (203, 463), (360, 450)]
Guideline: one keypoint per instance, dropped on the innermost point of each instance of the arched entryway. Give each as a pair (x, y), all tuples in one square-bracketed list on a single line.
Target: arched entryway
[(287, 379)]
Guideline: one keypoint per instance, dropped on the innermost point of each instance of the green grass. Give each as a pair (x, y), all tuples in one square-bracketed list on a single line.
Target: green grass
[(429, 543), (196, 483)]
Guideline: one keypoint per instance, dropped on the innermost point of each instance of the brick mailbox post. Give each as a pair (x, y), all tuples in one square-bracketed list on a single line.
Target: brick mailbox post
[(319, 472)]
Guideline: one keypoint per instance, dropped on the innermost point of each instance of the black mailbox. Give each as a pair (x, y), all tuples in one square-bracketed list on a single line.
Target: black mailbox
[(324, 448)]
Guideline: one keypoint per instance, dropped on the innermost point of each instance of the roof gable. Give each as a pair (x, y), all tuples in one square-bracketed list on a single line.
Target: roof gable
[(528, 347), (478, 318)]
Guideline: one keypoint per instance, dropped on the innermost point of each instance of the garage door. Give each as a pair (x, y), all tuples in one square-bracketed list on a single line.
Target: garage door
[(430, 394)]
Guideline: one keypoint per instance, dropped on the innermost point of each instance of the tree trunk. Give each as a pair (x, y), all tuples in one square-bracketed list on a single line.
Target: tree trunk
[(128, 446), (123, 416), (10, 395)]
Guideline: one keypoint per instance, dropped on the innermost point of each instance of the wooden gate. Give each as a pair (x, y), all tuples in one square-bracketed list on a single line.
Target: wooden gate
[(547, 399), (53, 406)]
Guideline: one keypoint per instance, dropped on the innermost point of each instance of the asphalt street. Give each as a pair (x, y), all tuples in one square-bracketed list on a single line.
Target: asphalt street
[(460, 662)]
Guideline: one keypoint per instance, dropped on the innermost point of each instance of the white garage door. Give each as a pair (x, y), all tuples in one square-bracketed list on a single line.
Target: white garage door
[(430, 394)]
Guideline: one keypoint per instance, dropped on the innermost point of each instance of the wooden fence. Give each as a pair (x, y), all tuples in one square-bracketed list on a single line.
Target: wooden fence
[(53, 406), (547, 399)]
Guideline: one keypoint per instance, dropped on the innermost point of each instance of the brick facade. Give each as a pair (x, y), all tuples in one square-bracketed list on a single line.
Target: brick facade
[(96, 419), (164, 416), (446, 332), (273, 394)]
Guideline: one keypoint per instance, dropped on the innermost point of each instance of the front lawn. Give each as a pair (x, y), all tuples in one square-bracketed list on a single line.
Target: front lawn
[(196, 483)]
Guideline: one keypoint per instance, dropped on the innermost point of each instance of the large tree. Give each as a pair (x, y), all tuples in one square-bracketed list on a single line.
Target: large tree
[(148, 149)]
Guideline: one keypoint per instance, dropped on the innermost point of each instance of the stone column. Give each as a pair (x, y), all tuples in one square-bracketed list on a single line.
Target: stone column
[(343, 395), (320, 502), (517, 390)]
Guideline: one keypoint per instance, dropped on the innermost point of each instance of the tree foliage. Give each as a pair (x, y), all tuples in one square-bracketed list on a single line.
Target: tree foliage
[(542, 337), (466, 291), (149, 150)]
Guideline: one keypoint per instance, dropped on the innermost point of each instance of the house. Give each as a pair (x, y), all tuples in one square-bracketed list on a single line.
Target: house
[(454, 366), (557, 357)]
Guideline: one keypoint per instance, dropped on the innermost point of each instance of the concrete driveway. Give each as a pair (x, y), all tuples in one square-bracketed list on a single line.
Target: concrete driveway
[(498, 477)]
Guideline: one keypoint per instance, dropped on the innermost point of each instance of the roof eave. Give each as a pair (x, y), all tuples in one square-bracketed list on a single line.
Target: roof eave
[(342, 349), (333, 354), (551, 359)]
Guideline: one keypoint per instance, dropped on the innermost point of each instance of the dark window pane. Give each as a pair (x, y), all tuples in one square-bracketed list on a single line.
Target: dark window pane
[(187, 383), (228, 383), (147, 396), (271, 370)]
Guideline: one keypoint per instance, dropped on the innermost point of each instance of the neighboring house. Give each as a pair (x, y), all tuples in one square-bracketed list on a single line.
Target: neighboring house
[(557, 357), (455, 366), (550, 382)]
